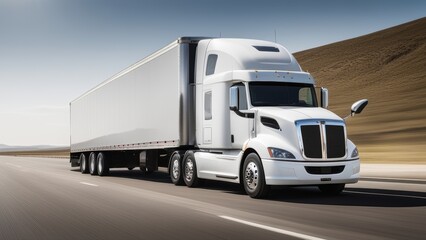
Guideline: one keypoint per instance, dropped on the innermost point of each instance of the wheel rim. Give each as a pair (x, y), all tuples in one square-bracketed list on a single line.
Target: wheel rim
[(251, 176), (175, 169), (100, 163), (189, 170)]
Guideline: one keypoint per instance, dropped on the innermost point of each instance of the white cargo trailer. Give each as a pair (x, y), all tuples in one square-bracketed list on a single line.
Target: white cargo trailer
[(235, 110)]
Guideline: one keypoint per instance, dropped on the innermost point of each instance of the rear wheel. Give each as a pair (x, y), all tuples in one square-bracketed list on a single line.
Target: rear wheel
[(176, 168), (92, 163), (332, 189), (84, 165), (103, 167), (254, 177), (190, 170)]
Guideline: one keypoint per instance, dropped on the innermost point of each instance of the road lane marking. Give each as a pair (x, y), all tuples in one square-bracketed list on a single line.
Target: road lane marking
[(89, 184), (15, 165), (272, 229), (386, 194)]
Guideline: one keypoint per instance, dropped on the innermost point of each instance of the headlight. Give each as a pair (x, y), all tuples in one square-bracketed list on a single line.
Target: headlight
[(355, 153), (280, 153)]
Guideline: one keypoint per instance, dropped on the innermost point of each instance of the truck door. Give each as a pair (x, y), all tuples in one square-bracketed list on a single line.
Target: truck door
[(207, 121), (240, 126)]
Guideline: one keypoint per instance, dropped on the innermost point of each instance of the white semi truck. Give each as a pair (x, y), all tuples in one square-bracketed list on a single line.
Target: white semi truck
[(234, 110)]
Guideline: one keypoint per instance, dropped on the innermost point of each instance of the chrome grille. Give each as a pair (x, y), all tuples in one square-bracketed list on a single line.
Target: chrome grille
[(322, 139)]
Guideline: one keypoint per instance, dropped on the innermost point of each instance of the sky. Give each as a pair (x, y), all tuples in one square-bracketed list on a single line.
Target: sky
[(52, 51)]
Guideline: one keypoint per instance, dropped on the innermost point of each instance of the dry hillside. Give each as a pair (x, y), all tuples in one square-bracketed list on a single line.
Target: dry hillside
[(389, 69)]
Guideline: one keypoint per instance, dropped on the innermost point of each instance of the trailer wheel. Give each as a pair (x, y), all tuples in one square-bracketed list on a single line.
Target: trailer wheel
[(332, 189), (103, 167), (190, 170), (175, 168), (254, 177), (92, 163), (84, 166)]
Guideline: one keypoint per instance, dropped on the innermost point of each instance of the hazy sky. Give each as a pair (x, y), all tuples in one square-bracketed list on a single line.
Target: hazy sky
[(51, 51)]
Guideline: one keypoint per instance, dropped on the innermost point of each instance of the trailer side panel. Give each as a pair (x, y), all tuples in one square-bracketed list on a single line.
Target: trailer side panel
[(140, 108)]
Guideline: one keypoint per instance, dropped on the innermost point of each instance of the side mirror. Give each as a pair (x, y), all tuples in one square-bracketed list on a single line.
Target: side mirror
[(324, 98), (233, 103), (233, 98), (358, 106)]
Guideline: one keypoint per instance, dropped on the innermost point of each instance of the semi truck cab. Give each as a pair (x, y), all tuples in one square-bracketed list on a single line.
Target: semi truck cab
[(259, 121)]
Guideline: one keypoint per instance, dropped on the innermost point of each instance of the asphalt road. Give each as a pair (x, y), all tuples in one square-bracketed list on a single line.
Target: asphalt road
[(44, 198)]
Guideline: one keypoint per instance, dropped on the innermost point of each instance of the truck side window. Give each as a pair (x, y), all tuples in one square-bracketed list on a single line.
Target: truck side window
[(208, 105), (305, 97), (242, 96), (211, 64)]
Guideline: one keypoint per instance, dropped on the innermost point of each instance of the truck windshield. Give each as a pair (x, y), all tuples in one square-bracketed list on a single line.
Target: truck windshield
[(282, 94)]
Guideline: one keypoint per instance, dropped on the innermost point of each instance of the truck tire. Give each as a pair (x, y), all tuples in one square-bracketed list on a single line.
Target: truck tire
[(189, 170), (103, 167), (175, 168), (332, 189), (84, 164), (92, 164), (254, 177)]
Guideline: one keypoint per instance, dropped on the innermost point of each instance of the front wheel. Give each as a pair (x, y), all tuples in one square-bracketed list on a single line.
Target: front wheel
[(254, 177), (190, 170), (332, 189)]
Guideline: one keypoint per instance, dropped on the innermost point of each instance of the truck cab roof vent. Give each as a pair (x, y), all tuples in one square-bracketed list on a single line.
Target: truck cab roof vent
[(266, 48)]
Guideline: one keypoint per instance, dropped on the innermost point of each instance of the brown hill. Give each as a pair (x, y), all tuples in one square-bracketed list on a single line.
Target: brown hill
[(389, 69)]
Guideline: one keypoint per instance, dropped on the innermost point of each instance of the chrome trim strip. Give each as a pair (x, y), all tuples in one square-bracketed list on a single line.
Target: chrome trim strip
[(227, 157), (323, 139), (227, 177), (303, 161)]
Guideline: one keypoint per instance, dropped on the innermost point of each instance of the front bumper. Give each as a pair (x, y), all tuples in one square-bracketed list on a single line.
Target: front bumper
[(294, 173)]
